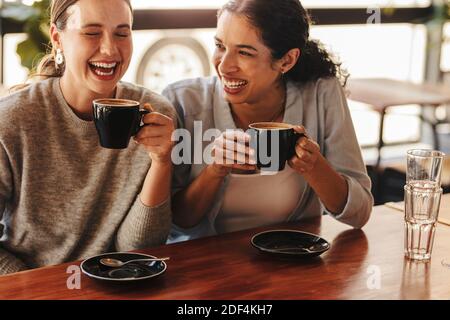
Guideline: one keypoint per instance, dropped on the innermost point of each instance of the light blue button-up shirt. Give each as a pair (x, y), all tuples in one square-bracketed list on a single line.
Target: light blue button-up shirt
[(320, 106)]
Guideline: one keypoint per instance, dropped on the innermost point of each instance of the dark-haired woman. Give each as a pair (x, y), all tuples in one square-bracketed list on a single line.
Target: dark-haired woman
[(62, 196), (268, 70)]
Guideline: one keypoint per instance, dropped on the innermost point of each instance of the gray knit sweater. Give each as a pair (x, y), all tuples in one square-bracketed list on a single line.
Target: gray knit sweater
[(62, 196)]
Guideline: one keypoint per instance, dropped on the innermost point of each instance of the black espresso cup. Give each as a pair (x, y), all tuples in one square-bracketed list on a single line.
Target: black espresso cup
[(117, 120), (274, 143)]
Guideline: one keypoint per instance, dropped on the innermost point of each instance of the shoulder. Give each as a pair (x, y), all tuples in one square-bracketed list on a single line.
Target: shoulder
[(329, 84), (320, 86), (192, 95), (23, 103), (326, 92), (135, 92)]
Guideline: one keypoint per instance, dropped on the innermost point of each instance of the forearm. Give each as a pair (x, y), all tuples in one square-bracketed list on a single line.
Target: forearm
[(148, 221), (191, 204), (330, 186)]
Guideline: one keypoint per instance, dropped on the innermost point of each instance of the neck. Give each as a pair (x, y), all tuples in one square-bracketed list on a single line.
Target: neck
[(80, 99), (269, 107)]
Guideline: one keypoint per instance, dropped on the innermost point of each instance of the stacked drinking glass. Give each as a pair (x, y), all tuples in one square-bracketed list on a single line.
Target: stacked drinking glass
[(422, 199)]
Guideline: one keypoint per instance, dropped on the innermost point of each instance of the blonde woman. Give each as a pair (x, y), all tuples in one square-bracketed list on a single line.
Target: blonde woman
[(62, 196)]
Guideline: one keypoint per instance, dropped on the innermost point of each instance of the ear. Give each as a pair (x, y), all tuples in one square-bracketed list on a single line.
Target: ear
[(55, 37), (289, 60)]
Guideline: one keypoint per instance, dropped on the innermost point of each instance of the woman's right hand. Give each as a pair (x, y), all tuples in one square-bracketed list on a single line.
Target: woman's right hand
[(231, 150)]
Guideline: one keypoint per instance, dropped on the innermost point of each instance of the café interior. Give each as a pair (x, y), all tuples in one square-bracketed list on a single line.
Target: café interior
[(397, 53)]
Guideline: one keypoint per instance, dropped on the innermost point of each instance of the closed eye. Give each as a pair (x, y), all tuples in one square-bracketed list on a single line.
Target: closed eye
[(122, 35), (219, 45), (245, 53)]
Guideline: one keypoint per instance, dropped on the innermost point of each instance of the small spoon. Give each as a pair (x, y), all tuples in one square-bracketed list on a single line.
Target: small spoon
[(114, 263), (312, 249), (294, 249)]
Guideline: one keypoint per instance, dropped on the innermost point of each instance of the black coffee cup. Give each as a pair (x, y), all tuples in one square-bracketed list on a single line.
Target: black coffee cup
[(117, 120), (274, 143)]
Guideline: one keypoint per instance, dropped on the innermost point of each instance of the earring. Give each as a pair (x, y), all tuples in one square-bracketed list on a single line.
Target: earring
[(59, 58)]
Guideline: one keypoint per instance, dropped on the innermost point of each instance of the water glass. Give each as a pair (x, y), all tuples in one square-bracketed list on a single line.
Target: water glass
[(424, 168), (421, 213)]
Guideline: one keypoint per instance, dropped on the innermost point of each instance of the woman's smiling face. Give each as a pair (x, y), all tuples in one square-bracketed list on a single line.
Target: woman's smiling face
[(97, 44), (242, 61)]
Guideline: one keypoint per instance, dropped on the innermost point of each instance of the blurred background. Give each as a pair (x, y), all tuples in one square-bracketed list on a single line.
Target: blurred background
[(173, 40)]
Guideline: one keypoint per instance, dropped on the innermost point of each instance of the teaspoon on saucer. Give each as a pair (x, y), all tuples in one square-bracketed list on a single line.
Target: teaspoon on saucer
[(115, 263)]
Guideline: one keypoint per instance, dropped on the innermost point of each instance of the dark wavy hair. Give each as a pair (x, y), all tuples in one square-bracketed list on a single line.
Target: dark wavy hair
[(284, 25)]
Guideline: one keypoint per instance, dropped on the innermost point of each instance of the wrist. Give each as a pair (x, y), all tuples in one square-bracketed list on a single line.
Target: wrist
[(161, 159), (161, 163), (216, 171)]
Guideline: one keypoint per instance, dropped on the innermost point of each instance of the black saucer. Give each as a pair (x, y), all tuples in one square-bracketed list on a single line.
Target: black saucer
[(290, 243), (131, 272)]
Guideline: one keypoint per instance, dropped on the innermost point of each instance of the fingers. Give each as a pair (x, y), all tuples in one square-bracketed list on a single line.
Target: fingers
[(307, 144), (226, 156), (153, 141), (300, 165), (236, 135), (300, 129), (232, 146), (156, 125), (246, 167), (154, 132), (303, 154), (156, 118), (149, 107)]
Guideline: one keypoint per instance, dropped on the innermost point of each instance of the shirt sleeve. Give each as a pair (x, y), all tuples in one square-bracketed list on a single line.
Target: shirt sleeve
[(342, 151), (181, 169), (144, 226), (8, 262)]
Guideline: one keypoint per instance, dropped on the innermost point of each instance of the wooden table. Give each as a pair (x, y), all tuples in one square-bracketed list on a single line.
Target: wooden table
[(228, 267)]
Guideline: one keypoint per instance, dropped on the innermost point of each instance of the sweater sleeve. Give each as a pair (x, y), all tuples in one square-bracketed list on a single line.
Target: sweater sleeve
[(344, 154), (144, 226), (8, 262)]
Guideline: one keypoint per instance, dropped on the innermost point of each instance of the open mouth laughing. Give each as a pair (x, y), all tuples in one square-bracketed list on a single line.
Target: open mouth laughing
[(103, 69), (234, 86)]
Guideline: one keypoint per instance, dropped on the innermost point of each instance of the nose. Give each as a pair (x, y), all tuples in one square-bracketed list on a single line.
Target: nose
[(108, 46), (227, 63)]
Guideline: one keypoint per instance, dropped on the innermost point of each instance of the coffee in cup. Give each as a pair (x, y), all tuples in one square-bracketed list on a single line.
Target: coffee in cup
[(274, 143), (116, 121)]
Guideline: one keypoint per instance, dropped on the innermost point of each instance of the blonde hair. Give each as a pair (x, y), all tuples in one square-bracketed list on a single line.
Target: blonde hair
[(47, 67)]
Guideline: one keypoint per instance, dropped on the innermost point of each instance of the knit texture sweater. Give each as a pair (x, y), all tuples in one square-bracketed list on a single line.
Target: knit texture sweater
[(62, 196)]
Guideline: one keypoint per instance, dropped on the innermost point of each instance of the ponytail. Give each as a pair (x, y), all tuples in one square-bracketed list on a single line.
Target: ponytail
[(47, 68), (314, 63)]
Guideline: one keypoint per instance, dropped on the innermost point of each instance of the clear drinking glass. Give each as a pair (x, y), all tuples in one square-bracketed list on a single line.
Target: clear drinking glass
[(421, 213), (424, 168)]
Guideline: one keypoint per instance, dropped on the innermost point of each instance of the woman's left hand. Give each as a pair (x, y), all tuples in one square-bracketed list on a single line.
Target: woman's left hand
[(307, 153), (156, 136)]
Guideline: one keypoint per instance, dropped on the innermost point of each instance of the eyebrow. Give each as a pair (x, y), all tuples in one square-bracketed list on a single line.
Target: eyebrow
[(98, 25), (243, 46)]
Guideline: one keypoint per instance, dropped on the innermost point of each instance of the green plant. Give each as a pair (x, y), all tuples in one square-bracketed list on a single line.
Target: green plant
[(35, 20)]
